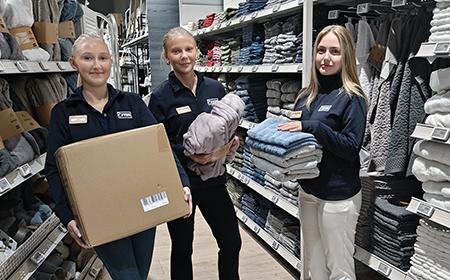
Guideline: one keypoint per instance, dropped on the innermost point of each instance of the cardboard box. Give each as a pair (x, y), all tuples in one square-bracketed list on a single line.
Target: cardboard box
[(66, 29), (121, 184), (46, 32), (25, 37)]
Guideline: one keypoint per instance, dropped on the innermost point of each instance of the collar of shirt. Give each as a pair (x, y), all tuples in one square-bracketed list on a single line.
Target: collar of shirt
[(177, 86), (77, 96)]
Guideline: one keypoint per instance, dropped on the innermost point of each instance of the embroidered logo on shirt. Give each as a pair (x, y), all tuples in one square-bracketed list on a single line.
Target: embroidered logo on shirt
[(78, 119), (211, 101), (183, 110), (124, 115), (324, 108)]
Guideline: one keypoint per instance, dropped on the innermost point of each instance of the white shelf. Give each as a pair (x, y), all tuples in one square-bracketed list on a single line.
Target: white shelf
[(30, 67), (431, 51), (276, 198), (24, 251), (379, 265), (261, 68), (247, 124), (26, 270), (280, 249), (429, 132), (429, 211), (21, 174), (143, 39), (277, 11)]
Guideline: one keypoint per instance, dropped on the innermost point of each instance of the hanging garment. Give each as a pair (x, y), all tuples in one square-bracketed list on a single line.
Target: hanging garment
[(48, 11), (71, 11), (364, 43)]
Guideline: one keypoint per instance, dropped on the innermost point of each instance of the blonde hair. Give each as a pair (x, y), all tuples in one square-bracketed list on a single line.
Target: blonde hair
[(84, 37), (350, 81), (172, 33)]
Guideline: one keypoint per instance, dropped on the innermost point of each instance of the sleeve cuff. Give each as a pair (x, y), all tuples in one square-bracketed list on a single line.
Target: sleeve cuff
[(309, 126)]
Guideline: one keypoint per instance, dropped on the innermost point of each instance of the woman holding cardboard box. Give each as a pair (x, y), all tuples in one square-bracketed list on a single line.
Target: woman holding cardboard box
[(94, 110)]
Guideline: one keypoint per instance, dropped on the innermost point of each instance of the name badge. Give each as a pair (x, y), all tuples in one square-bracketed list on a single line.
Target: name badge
[(324, 108), (78, 119), (296, 114), (211, 101), (124, 115), (183, 110)]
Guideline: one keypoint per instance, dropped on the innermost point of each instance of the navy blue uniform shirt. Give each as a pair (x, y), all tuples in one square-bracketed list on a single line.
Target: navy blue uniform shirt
[(177, 107), (62, 133), (338, 122)]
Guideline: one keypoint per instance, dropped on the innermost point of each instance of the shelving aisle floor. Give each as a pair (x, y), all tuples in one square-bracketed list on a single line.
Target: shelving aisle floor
[(255, 262)]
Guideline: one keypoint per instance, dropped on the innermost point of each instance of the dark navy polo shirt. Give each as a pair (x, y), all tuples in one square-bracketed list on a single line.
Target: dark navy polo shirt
[(177, 107), (97, 124)]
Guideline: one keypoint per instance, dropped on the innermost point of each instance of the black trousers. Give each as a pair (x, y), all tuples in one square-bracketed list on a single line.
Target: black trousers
[(217, 208)]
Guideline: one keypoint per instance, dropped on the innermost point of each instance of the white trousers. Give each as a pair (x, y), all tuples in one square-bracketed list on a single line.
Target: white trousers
[(328, 229)]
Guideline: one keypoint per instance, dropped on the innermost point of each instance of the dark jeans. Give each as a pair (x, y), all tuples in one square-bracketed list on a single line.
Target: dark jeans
[(130, 257), (217, 208)]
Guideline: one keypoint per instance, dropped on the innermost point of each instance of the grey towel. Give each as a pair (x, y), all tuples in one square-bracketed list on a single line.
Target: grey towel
[(48, 11), (9, 48), (7, 164)]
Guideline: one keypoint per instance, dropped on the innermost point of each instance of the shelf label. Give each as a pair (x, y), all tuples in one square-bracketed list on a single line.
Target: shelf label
[(275, 245), (275, 199), (242, 18), (213, 69), (244, 219), (229, 68), (362, 8), (298, 266), (425, 209), (219, 69), (231, 171), (4, 185), (44, 65), (440, 133), (2, 67), (254, 14), (256, 229), (37, 258), (255, 68), (62, 228), (251, 125), (239, 69), (22, 66), (399, 3), (384, 269), (219, 25), (333, 14), (61, 65), (300, 68), (442, 48), (25, 170), (229, 23), (246, 180), (276, 8), (275, 68)]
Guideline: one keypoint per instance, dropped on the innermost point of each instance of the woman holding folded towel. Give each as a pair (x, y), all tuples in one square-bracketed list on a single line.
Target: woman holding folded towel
[(92, 110), (333, 109), (176, 103)]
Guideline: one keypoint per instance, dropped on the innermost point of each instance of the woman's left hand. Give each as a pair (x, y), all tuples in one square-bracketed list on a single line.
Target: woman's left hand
[(292, 126), (188, 199)]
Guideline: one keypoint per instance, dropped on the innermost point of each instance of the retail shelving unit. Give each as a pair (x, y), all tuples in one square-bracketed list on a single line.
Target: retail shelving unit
[(261, 68), (430, 211), (431, 51), (31, 67), (264, 235), (277, 199)]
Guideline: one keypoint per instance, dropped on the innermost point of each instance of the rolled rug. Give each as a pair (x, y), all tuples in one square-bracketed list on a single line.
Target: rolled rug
[(19, 13), (48, 11)]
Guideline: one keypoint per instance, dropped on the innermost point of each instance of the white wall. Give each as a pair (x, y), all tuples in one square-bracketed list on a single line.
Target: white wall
[(192, 10), (231, 3)]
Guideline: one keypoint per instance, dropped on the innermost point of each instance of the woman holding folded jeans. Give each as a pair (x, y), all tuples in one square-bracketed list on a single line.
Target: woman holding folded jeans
[(95, 105), (176, 103), (333, 109)]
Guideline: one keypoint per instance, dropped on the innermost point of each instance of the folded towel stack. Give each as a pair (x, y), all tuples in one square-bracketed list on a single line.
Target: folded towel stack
[(285, 229), (236, 191), (440, 25), (255, 207), (281, 95)]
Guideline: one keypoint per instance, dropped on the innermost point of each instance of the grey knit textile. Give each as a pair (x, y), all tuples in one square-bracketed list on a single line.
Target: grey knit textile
[(48, 11)]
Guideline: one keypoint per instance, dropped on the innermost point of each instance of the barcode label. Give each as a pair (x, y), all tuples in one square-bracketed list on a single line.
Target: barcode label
[(154, 201)]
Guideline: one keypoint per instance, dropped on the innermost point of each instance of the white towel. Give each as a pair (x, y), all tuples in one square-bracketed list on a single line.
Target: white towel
[(441, 120), (440, 79), (441, 188), (428, 170), (436, 38), (433, 151), (441, 22), (437, 200), (438, 103)]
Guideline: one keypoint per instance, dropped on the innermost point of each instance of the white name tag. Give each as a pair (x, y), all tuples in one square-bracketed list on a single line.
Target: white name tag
[(183, 110), (124, 115), (324, 108), (211, 101), (78, 119), (296, 114)]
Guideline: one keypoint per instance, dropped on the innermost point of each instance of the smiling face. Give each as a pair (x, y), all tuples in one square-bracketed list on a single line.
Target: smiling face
[(181, 52), (93, 61), (328, 55)]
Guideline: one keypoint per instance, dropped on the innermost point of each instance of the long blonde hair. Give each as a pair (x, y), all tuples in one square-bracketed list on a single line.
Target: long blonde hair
[(350, 81)]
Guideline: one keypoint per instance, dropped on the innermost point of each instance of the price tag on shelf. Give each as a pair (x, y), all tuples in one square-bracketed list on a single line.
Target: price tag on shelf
[(4, 185), (256, 229), (219, 69), (440, 133), (254, 15), (44, 65), (25, 170), (244, 219), (219, 25), (442, 48), (333, 14), (275, 245), (384, 269), (298, 266), (251, 125), (213, 69), (229, 23), (2, 67), (37, 258), (62, 228), (300, 67), (22, 66), (255, 68), (276, 8), (240, 67), (61, 65), (425, 209), (242, 18), (246, 180), (399, 3), (275, 68), (275, 198), (362, 8), (229, 68), (232, 171)]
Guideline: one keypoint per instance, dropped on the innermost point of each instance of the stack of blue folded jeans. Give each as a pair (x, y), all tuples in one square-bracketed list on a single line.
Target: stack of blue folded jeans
[(394, 232), (250, 6), (251, 89)]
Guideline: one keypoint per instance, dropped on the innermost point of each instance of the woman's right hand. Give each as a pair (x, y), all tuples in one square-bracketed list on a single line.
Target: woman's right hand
[(75, 233), (292, 126)]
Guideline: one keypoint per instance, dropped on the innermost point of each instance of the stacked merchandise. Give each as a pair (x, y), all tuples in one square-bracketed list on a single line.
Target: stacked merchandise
[(440, 29), (273, 95), (394, 232), (236, 191), (431, 259), (288, 190), (252, 47), (284, 229), (209, 19), (283, 155), (9, 47), (238, 161), (191, 26), (225, 51), (228, 14), (365, 218), (271, 3), (214, 54), (250, 170), (251, 89), (250, 6), (289, 92), (255, 207)]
